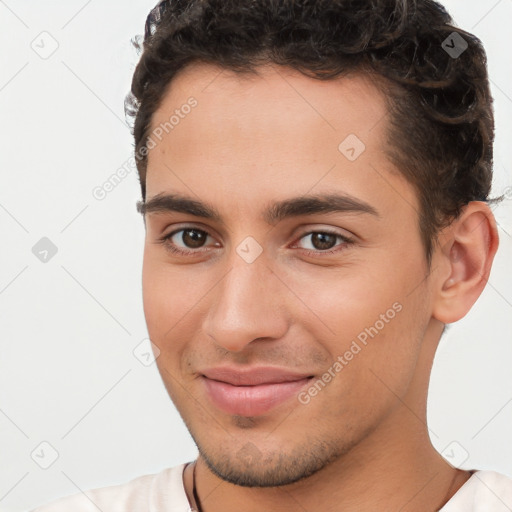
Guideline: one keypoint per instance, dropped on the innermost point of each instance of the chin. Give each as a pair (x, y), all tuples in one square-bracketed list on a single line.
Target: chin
[(251, 467)]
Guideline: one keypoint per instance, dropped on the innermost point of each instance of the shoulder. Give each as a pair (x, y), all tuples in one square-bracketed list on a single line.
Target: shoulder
[(485, 491), (160, 489)]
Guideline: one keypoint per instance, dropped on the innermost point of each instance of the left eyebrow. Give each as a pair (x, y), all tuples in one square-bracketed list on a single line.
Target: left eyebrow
[(275, 212), (314, 204)]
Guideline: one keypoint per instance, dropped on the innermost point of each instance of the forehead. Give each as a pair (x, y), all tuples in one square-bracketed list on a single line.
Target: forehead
[(355, 101), (275, 133)]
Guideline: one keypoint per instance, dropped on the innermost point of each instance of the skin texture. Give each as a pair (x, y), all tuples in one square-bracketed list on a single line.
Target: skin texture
[(362, 442)]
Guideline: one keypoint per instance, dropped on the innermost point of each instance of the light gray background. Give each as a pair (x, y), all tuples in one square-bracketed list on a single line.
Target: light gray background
[(68, 374)]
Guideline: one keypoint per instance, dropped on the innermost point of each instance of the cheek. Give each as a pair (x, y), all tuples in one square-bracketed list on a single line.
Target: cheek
[(175, 298), (347, 300), (375, 325), (166, 297), (166, 288)]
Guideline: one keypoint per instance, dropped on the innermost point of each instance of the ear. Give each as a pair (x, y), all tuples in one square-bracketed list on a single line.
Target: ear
[(464, 258)]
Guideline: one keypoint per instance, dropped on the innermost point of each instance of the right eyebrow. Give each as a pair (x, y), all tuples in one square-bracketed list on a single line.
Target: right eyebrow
[(177, 203)]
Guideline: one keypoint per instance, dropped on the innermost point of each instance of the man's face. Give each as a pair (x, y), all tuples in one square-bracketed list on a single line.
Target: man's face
[(294, 307)]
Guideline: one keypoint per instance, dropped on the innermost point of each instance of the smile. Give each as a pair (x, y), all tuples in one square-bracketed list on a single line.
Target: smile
[(251, 393)]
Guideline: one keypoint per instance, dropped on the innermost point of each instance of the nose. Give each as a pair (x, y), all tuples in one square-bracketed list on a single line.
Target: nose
[(247, 304)]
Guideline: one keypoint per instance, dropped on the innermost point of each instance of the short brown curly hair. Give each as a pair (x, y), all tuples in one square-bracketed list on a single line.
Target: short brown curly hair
[(441, 127)]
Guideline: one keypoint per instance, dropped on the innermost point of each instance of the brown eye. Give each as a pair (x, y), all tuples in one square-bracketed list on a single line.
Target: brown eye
[(193, 238), (187, 241), (323, 241)]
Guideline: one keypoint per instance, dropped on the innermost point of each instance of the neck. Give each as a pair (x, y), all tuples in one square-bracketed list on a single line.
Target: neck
[(394, 468)]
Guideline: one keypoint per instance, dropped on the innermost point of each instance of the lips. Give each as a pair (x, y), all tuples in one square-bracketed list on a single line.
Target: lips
[(251, 392)]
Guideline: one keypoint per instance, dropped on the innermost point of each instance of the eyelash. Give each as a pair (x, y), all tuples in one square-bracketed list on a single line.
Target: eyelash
[(165, 240)]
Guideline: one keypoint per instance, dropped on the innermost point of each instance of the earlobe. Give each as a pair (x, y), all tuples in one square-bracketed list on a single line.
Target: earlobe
[(464, 260)]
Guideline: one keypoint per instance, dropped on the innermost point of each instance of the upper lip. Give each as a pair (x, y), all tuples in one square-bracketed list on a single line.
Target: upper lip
[(253, 376)]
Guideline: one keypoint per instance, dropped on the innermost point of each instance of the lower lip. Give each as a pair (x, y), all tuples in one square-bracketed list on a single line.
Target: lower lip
[(251, 400)]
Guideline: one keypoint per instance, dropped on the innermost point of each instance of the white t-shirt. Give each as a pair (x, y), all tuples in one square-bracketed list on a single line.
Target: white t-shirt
[(485, 491)]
